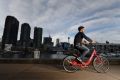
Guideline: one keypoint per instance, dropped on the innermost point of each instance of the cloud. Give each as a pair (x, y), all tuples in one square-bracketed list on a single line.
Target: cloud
[(60, 18), (111, 34)]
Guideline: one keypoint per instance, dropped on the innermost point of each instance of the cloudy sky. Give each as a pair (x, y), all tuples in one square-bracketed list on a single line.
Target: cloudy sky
[(61, 18)]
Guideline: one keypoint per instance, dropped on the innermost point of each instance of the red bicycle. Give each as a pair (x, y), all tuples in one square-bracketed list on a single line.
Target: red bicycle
[(100, 63)]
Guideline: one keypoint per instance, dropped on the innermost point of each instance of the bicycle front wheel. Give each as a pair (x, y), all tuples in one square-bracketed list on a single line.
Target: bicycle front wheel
[(101, 64), (67, 64)]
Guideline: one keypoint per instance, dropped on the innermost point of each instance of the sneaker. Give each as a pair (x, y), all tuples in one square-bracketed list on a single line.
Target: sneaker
[(79, 59)]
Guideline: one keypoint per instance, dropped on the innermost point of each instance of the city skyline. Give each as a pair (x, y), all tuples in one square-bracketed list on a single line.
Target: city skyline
[(61, 18)]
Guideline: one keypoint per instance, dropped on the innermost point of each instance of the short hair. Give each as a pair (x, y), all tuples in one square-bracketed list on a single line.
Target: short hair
[(80, 27)]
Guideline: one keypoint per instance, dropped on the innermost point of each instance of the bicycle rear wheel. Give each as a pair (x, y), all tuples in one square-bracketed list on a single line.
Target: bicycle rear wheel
[(101, 64), (67, 64)]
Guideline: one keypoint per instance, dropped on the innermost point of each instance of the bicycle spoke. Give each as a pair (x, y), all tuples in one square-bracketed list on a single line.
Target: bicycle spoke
[(101, 64), (68, 65)]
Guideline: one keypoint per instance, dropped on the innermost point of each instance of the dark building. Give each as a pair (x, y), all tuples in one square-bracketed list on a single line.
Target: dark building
[(37, 37), (10, 31), (57, 42), (48, 42), (25, 35), (65, 45)]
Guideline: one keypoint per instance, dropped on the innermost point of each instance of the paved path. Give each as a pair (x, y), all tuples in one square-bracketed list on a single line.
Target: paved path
[(53, 72)]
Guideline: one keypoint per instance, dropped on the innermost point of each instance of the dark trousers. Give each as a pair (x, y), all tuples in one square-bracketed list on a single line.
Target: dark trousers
[(82, 48)]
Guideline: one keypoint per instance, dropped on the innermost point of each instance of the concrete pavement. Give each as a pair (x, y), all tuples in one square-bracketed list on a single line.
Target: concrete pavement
[(53, 72)]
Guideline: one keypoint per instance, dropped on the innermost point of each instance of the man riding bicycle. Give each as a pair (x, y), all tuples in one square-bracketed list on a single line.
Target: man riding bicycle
[(79, 45)]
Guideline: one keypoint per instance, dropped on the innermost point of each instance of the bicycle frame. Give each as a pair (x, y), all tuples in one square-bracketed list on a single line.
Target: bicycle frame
[(94, 54), (71, 64)]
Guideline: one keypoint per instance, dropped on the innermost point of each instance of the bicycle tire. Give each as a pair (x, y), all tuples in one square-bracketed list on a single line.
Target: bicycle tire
[(101, 64), (69, 67)]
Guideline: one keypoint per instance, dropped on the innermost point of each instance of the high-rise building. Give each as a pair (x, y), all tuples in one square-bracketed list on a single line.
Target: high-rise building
[(10, 31), (48, 41), (37, 37), (25, 35), (57, 42)]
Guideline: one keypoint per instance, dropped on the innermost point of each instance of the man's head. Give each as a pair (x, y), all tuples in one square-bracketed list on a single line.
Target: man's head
[(81, 29)]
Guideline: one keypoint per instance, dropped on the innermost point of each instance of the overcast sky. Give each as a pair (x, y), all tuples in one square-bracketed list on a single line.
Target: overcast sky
[(61, 18)]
